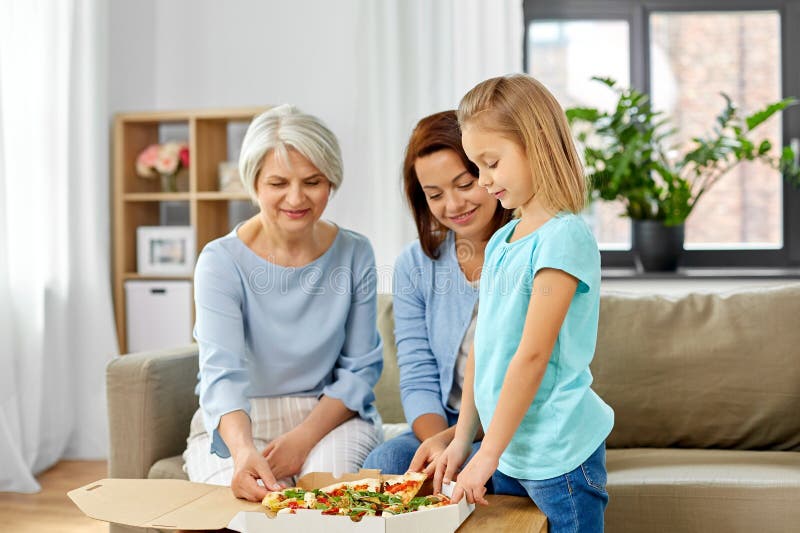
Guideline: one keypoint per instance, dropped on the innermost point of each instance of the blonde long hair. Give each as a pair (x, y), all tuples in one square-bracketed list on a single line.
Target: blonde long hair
[(519, 107)]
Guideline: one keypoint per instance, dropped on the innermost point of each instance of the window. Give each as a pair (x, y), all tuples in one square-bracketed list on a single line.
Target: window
[(683, 54), (565, 55)]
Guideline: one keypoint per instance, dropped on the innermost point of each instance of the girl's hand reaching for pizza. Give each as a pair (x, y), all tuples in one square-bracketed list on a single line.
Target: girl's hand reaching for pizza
[(448, 463), (249, 467), (471, 482), (287, 453)]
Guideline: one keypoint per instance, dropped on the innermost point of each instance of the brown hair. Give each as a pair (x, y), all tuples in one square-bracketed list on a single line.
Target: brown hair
[(522, 109), (433, 133)]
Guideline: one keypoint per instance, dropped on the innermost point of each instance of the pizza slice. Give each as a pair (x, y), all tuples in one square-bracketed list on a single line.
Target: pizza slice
[(396, 508), (365, 485), (428, 502), (293, 498), (406, 486)]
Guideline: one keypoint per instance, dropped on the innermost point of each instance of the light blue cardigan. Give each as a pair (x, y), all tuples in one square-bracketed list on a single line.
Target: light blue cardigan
[(433, 304), (264, 330)]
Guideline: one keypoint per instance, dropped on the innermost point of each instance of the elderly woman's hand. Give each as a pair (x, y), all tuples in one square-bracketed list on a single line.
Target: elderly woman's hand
[(287, 453), (249, 467)]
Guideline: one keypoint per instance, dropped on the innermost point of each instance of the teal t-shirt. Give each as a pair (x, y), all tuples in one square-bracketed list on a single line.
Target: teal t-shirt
[(567, 420)]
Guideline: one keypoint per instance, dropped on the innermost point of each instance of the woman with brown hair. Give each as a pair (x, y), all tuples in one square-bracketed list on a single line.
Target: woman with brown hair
[(435, 289)]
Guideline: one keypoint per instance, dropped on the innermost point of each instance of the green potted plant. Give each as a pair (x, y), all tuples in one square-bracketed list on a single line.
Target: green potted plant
[(626, 157)]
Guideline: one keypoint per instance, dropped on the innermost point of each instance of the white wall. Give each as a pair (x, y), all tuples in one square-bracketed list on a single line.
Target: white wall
[(131, 56), (182, 54)]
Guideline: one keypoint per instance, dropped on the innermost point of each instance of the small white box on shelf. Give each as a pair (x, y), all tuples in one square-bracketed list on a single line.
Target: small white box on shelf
[(159, 314)]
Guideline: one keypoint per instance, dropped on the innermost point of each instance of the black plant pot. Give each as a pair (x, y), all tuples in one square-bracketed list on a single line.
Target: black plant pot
[(656, 247)]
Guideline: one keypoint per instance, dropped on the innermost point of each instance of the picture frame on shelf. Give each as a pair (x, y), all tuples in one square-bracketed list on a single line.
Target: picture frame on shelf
[(228, 177), (165, 250)]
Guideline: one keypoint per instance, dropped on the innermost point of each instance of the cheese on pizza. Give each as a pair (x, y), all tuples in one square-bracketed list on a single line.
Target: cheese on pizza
[(406, 486)]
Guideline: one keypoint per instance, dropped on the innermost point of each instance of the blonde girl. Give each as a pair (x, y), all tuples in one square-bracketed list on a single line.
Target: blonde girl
[(527, 379)]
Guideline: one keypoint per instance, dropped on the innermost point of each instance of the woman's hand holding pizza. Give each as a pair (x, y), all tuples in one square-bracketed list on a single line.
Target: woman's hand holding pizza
[(249, 467)]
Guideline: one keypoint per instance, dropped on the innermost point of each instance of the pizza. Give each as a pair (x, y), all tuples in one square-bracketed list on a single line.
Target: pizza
[(357, 499), (406, 486), (367, 484), (285, 499)]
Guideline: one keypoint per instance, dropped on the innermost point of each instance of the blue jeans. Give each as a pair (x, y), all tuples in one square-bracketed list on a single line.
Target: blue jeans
[(574, 502)]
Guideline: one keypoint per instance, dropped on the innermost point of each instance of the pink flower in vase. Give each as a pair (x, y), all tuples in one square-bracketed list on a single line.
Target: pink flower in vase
[(146, 161), (168, 159)]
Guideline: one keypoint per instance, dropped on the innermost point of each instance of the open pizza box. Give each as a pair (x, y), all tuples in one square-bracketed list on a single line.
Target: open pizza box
[(178, 504)]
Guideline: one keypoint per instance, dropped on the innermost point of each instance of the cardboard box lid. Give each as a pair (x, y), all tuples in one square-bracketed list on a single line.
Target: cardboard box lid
[(160, 503)]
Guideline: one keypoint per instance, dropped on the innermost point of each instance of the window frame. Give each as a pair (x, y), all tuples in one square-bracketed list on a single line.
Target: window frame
[(637, 14)]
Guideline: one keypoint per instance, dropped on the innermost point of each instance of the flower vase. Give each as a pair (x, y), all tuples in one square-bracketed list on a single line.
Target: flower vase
[(169, 183), (178, 182)]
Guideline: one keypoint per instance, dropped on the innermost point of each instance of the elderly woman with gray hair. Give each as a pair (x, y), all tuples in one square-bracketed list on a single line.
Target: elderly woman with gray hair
[(285, 323)]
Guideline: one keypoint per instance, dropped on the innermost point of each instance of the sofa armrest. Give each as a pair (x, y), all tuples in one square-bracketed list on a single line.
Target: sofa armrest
[(151, 401)]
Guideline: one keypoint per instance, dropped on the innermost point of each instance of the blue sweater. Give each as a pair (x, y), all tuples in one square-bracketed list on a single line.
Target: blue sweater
[(264, 330), (433, 304)]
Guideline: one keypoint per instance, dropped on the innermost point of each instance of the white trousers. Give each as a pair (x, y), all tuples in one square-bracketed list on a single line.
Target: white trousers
[(342, 450)]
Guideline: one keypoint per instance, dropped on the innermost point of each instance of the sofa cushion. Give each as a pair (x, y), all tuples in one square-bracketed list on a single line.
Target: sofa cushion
[(702, 490), (169, 468), (702, 370), (387, 391), (391, 431)]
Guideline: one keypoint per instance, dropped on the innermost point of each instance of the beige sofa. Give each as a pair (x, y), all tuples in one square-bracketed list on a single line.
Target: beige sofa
[(706, 391)]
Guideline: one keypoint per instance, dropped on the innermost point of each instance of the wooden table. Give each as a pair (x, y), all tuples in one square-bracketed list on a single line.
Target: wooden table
[(511, 514)]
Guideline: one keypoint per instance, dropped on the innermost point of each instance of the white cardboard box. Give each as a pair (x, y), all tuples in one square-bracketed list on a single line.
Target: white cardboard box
[(159, 314), (178, 504)]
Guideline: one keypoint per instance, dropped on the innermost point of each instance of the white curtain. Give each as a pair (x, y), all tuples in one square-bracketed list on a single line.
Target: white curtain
[(56, 318), (419, 57)]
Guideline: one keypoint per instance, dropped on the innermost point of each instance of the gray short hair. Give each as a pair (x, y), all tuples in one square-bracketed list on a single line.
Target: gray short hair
[(284, 127)]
